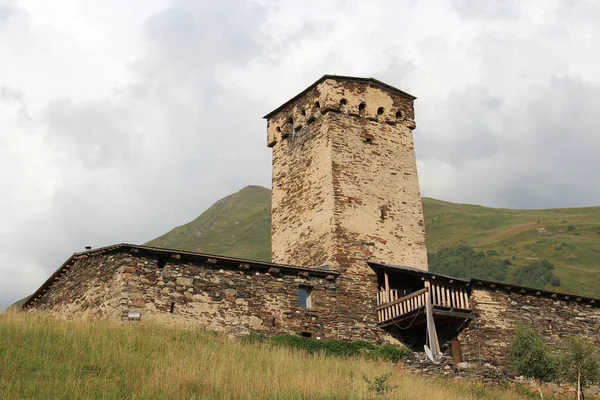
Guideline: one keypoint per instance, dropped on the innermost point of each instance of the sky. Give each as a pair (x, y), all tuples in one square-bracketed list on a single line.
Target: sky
[(120, 120)]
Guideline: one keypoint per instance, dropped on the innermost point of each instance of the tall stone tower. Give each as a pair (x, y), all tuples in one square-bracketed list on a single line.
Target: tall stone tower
[(345, 186)]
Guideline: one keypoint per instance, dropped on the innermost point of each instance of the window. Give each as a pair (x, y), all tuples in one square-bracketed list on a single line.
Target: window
[(305, 297), (361, 109)]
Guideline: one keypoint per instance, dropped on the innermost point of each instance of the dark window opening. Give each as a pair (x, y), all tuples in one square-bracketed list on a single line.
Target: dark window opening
[(305, 297), (343, 103), (306, 334), (290, 120), (368, 140), (278, 129), (310, 120), (161, 262), (303, 112), (172, 309), (317, 104), (398, 115), (361, 109), (380, 110)]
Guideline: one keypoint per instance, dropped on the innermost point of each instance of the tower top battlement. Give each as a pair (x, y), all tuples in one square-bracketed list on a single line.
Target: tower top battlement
[(359, 97)]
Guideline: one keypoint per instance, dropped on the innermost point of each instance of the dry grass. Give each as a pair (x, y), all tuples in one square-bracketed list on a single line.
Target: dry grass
[(46, 358)]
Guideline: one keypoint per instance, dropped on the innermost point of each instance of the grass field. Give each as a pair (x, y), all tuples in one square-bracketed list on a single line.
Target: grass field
[(45, 358), (239, 225)]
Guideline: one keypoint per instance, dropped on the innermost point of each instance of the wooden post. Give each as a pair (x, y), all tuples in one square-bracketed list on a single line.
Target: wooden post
[(387, 285), (456, 353), (434, 344)]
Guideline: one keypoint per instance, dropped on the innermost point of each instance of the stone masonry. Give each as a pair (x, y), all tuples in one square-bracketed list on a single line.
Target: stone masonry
[(345, 187), (214, 293)]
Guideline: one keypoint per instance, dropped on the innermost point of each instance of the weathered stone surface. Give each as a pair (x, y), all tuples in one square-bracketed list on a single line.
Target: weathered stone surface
[(345, 189), (184, 281)]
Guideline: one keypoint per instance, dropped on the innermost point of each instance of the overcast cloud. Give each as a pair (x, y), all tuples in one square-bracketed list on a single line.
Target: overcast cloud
[(120, 120)]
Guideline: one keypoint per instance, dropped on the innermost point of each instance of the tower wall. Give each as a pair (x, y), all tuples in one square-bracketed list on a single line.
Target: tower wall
[(345, 189)]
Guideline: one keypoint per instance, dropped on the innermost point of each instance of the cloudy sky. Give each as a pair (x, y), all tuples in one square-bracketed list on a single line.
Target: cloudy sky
[(122, 119)]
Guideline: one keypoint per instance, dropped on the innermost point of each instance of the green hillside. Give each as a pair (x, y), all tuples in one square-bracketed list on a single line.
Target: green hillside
[(239, 225)]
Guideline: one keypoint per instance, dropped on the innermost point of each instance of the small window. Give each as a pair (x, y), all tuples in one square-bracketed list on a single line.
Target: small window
[(305, 297), (317, 105), (343, 104), (172, 309), (303, 112), (398, 116), (361, 109), (380, 111)]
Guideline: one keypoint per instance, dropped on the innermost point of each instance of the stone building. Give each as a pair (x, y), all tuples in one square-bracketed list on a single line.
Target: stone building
[(349, 257)]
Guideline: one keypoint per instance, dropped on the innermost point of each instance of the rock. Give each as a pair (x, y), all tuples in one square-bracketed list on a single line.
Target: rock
[(447, 367), (184, 281), (255, 321), (463, 365), (230, 292)]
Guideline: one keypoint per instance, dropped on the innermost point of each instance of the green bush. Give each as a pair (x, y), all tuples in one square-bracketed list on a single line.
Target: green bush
[(530, 356), (555, 281), (463, 261), (535, 274), (341, 348), (578, 364)]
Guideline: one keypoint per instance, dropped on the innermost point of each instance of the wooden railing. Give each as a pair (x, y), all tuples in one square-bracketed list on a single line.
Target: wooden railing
[(449, 297), (390, 306), (403, 305)]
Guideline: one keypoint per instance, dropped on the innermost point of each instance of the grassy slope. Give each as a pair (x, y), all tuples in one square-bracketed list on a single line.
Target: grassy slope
[(239, 225), (100, 360)]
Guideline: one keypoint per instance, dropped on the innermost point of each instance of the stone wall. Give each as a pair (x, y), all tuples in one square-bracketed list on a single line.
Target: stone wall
[(345, 190), (229, 300), (203, 294), (91, 286), (486, 339)]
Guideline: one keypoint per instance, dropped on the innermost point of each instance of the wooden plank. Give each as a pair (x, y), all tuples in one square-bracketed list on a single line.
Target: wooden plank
[(467, 299), (455, 314), (403, 299)]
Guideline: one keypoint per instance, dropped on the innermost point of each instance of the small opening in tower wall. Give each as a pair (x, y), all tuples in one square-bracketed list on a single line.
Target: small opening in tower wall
[(278, 129), (317, 104), (306, 334), (398, 115), (303, 112), (343, 104), (380, 110), (172, 309), (361, 109)]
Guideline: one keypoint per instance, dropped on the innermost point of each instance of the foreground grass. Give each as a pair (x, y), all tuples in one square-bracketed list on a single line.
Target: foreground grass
[(45, 358)]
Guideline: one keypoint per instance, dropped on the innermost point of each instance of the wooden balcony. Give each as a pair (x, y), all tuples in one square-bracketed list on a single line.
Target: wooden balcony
[(447, 302)]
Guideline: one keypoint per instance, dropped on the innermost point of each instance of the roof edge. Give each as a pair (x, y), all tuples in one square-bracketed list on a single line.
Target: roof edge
[(374, 81)]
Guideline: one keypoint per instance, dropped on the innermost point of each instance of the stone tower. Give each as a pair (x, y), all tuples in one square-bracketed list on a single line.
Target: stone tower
[(345, 185)]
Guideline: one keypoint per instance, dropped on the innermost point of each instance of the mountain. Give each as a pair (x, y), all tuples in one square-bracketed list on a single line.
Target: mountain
[(239, 225)]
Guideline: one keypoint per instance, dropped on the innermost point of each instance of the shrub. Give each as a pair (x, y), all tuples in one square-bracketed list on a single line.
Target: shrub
[(535, 274), (555, 281), (378, 384), (491, 253), (341, 348), (578, 363), (529, 355)]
